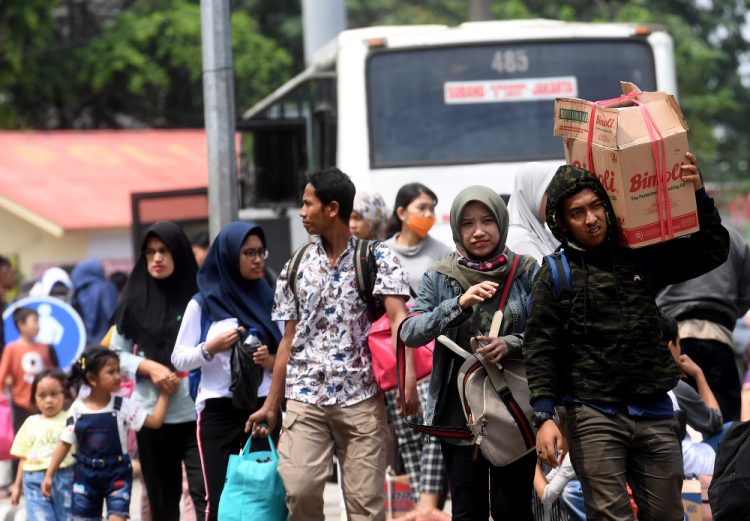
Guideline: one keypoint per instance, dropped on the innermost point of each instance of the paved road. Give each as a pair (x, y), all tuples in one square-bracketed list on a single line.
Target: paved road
[(332, 498), (9, 513)]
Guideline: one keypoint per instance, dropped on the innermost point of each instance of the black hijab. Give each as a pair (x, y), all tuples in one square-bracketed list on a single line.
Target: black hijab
[(150, 310)]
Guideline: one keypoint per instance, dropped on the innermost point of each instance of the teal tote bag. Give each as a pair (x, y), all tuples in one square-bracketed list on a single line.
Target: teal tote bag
[(253, 490)]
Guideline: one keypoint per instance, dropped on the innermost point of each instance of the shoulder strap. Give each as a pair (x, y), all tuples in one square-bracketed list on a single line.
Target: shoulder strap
[(461, 433), (291, 275), (361, 264), (562, 279), (560, 269), (118, 403), (509, 282), (365, 273)]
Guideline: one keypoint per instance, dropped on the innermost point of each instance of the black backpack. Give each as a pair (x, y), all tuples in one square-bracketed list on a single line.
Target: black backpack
[(729, 493), (365, 272)]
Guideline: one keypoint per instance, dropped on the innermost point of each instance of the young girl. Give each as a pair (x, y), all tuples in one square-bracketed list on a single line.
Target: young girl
[(97, 425), (34, 445)]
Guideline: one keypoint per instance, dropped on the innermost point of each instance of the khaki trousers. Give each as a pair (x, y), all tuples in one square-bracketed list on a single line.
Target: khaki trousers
[(311, 435)]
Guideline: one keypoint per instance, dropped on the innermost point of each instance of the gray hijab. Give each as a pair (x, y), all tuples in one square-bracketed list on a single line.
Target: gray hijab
[(492, 201), (465, 275)]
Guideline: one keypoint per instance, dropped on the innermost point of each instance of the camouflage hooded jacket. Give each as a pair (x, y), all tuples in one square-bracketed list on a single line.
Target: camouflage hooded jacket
[(606, 345)]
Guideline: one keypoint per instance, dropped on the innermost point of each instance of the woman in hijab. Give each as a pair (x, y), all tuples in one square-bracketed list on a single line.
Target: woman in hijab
[(234, 297), (147, 321), (369, 216), (528, 233), (458, 298), (55, 282), (95, 298)]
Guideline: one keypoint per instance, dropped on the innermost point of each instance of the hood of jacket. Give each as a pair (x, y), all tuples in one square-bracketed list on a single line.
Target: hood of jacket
[(568, 181)]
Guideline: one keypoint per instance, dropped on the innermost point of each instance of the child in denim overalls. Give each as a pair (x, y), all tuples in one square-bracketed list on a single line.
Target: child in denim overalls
[(97, 425)]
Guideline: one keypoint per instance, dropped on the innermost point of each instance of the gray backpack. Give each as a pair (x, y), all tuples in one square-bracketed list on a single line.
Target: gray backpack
[(496, 403)]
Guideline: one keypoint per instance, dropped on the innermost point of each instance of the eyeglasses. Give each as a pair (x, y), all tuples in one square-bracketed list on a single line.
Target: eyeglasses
[(252, 254)]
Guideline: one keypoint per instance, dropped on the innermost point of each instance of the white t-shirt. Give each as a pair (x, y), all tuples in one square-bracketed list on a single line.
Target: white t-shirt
[(216, 375), (130, 416)]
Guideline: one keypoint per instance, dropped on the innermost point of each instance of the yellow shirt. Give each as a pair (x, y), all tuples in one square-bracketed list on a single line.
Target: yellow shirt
[(36, 441)]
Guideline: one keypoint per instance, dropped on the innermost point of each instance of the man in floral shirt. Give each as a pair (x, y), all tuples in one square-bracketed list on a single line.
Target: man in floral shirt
[(324, 365)]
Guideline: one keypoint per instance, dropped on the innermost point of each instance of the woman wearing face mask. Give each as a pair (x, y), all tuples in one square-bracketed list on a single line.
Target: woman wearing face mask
[(458, 298), (147, 320), (413, 216), (234, 296)]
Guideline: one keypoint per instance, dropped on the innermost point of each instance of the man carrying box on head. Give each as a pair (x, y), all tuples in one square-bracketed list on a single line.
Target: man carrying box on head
[(593, 344)]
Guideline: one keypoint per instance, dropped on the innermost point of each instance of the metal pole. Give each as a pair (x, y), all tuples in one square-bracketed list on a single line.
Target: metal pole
[(218, 100), (479, 10), (322, 20)]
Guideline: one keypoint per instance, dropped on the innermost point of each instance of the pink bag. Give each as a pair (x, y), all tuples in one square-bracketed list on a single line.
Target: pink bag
[(6, 428), (384, 355)]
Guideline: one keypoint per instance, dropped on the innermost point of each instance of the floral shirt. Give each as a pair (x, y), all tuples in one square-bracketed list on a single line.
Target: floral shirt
[(330, 362)]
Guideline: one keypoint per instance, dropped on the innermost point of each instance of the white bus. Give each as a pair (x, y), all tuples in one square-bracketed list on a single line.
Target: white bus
[(445, 106)]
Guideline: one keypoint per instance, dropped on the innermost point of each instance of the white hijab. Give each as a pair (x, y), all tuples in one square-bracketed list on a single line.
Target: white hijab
[(52, 276), (528, 235)]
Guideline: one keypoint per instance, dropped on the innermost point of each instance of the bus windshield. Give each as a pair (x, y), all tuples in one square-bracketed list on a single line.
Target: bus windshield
[(489, 102)]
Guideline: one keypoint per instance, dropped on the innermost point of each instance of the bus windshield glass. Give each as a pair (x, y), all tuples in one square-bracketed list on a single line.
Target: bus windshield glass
[(489, 103)]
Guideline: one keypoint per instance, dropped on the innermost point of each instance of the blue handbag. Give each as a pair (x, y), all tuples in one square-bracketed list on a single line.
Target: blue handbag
[(253, 489)]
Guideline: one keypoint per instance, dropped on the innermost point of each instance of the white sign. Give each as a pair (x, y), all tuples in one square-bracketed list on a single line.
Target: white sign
[(503, 91)]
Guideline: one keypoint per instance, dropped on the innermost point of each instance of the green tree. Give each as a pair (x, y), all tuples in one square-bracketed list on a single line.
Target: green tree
[(107, 64)]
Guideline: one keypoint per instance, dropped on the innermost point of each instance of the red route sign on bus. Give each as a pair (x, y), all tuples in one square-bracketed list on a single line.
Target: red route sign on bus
[(503, 91)]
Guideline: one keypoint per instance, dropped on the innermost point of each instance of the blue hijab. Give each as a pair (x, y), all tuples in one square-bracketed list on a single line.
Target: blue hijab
[(227, 294)]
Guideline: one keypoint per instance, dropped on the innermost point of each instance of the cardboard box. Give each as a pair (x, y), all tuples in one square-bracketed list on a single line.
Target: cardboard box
[(691, 500), (622, 150)]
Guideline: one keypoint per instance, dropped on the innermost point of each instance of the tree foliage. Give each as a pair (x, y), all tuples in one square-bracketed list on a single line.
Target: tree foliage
[(109, 64)]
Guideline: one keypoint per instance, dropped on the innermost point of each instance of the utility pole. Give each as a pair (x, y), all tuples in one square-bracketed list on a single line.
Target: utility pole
[(218, 101), (322, 20), (479, 10)]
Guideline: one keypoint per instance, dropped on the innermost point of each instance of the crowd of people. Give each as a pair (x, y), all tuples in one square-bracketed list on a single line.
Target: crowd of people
[(630, 368)]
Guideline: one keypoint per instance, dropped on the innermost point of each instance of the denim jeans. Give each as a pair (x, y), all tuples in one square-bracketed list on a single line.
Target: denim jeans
[(53, 508), (93, 486), (572, 496), (609, 452)]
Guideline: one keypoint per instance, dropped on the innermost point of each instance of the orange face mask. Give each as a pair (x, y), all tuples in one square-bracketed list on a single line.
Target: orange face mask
[(420, 225)]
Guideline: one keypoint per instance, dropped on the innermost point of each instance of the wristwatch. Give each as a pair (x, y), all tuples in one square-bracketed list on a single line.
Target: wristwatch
[(540, 417), (206, 355)]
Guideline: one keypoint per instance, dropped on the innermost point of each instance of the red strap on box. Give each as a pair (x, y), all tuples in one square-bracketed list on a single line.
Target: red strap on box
[(658, 151)]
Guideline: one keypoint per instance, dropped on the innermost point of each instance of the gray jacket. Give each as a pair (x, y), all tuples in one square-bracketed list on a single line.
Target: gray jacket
[(720, 296), (436, 312)]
